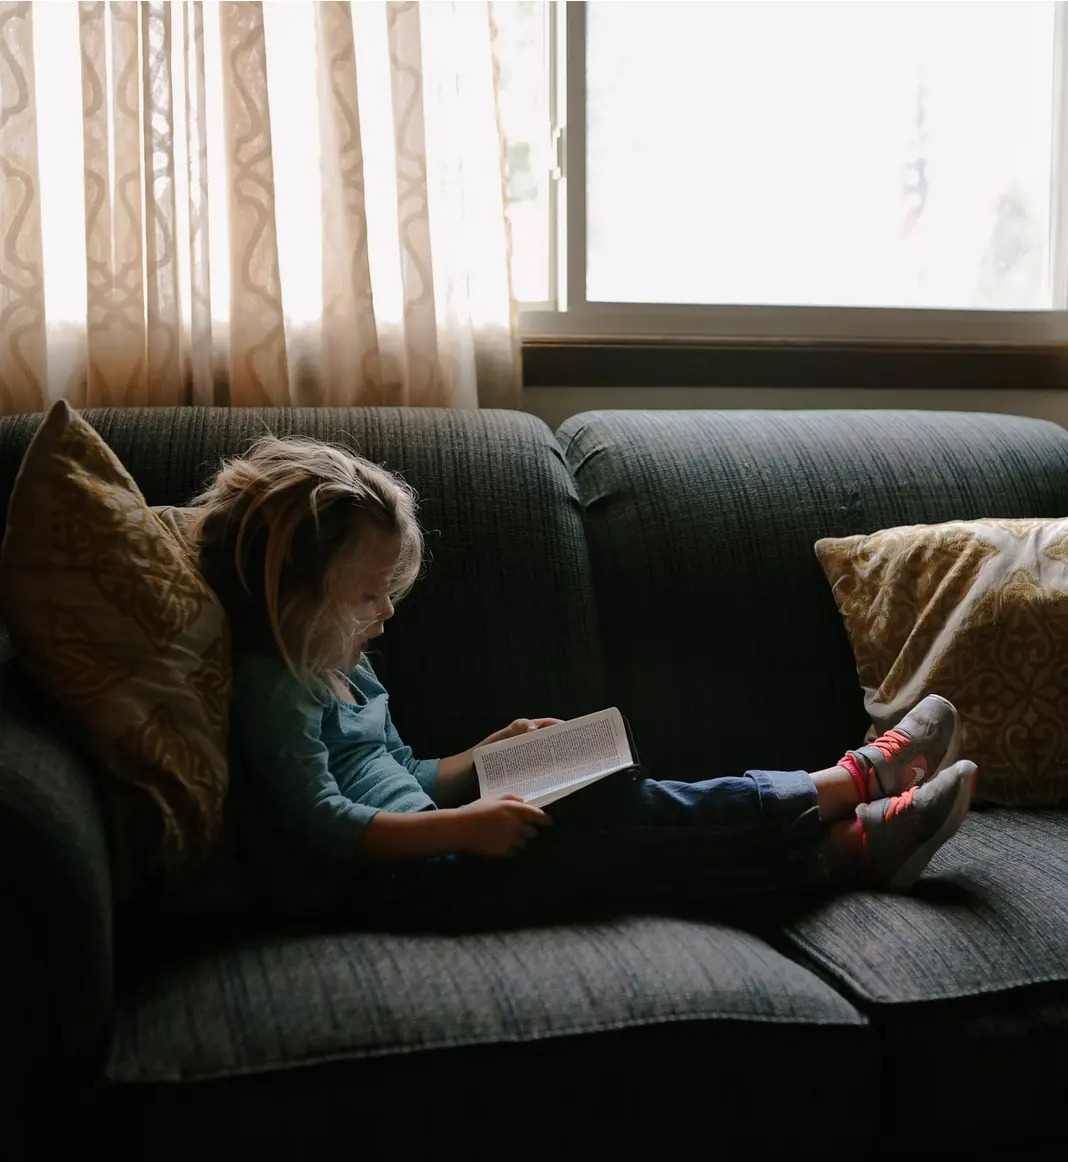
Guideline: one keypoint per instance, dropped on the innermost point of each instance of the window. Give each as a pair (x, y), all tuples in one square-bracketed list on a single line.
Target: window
[(784, 170), (524, 53)]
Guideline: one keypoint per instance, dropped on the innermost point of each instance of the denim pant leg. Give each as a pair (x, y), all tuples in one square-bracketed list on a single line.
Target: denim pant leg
[(632, 842)]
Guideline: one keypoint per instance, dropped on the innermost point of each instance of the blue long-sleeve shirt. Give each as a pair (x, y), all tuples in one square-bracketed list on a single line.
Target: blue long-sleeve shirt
[(319, 769)]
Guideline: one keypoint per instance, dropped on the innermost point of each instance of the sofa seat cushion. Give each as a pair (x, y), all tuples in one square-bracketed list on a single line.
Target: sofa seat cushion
[(990, 916), (265, 1004)]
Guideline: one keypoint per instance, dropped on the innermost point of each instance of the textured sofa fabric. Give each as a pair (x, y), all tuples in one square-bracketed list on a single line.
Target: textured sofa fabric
[(701, 528), (655, 1091), (969, 971), (989, 917), (453, 1038), (55, 888), (714, 609), (304, 1000), (506, 608)]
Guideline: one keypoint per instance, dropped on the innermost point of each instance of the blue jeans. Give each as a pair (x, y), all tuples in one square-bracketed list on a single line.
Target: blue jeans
[(627, 842)]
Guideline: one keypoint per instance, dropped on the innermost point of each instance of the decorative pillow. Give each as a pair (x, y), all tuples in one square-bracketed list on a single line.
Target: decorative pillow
[(976, 611), (109, 614)]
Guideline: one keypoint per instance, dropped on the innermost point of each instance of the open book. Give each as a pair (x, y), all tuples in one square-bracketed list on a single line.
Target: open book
[(547, 764)]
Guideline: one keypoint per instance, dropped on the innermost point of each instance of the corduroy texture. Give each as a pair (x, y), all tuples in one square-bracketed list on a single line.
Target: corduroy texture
[(302, 1001), (717, 620), (990, 916), (56, 887)]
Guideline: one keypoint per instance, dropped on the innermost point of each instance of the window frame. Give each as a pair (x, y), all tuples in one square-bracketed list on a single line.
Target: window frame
[(570, 316)]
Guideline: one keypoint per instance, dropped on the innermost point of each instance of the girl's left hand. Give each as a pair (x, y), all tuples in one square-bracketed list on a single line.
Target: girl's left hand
[(456, 774), (520, 726)]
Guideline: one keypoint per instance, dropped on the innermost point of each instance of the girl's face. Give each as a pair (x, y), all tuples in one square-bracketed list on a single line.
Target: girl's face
[(363, 586)]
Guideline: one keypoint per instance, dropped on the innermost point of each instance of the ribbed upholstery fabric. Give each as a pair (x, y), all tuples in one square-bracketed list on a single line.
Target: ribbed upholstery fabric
[(966, 980), (990, 916), (724, 645), (55, 888), (303, 1000), (506, 606), (726, 651)]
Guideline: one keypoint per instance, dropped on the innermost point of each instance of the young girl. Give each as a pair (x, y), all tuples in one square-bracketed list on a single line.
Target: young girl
[(309, 547)]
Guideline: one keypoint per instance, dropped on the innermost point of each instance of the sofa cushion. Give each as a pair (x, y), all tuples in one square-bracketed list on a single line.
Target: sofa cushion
[(503, 623), (715, 614), (57, 888), (301, 1000), (997, 1062), (990, 916)]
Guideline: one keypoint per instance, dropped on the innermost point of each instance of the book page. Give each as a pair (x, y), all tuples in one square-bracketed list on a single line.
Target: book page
[(546, 764)]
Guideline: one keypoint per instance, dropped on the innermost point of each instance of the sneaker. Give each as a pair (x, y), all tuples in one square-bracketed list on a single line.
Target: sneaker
[(923, 743), (900, 834)]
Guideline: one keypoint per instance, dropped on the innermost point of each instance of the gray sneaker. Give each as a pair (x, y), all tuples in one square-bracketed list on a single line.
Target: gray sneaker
[(902, 833), (923, 743)]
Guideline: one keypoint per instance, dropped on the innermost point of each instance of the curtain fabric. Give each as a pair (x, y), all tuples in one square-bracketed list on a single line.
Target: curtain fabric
[(249, 204)]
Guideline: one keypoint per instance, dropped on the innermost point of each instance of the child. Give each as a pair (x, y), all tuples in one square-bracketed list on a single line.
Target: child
[(309, 547)]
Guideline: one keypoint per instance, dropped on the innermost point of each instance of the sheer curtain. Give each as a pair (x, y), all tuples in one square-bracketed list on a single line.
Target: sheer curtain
[(252, 204)]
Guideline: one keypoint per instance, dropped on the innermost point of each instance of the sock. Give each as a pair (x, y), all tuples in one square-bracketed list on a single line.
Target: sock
[(849, 763)]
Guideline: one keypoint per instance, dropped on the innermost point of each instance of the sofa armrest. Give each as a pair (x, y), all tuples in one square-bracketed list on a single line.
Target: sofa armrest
[(56, 959)]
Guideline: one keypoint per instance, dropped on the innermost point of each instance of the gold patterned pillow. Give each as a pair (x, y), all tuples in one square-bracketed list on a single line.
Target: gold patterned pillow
[(108, 613), (976, 611)]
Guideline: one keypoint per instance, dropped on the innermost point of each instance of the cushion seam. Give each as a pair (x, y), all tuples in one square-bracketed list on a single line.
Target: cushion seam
[(488, 1039)]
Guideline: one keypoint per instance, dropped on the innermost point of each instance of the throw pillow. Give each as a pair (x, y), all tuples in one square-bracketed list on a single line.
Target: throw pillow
[(976, 611), (110, 616)]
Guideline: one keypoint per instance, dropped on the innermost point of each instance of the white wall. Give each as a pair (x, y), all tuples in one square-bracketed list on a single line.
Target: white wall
[(555, 404)]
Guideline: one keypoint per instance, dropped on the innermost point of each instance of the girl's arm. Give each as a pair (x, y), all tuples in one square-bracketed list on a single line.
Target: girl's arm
[(502, 826), (456, 780), (392, 836), (276, 725), (289, 765)]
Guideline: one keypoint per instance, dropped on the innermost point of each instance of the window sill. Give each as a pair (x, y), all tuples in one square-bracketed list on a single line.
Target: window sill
[(613, 362)]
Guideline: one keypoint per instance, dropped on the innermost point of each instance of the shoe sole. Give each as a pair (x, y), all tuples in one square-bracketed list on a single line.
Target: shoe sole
[(911, 870)]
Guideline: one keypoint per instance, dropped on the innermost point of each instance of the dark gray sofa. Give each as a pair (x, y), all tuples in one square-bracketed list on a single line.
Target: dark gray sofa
[(662, 562)]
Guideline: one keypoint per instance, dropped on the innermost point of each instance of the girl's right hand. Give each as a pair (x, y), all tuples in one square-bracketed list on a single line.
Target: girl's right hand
[(500, 826)]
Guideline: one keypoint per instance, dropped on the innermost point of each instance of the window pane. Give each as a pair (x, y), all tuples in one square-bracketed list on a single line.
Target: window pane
[(864, 154), (522, 53)]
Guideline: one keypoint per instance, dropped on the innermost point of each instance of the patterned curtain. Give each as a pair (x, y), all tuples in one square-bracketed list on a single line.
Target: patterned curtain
[(252, 204)]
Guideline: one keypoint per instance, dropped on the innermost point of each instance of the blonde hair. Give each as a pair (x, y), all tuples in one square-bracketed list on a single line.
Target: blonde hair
[(271, 533)]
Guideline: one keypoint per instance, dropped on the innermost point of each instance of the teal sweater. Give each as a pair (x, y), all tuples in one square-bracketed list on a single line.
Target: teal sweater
[(316, 770)]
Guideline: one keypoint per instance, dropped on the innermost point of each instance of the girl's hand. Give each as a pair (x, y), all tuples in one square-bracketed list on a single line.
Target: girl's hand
[(520, 726), (500, 826), (456, 773)]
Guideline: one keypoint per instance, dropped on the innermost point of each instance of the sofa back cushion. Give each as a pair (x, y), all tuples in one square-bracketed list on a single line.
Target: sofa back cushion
[(503, 623), (723, 642)]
